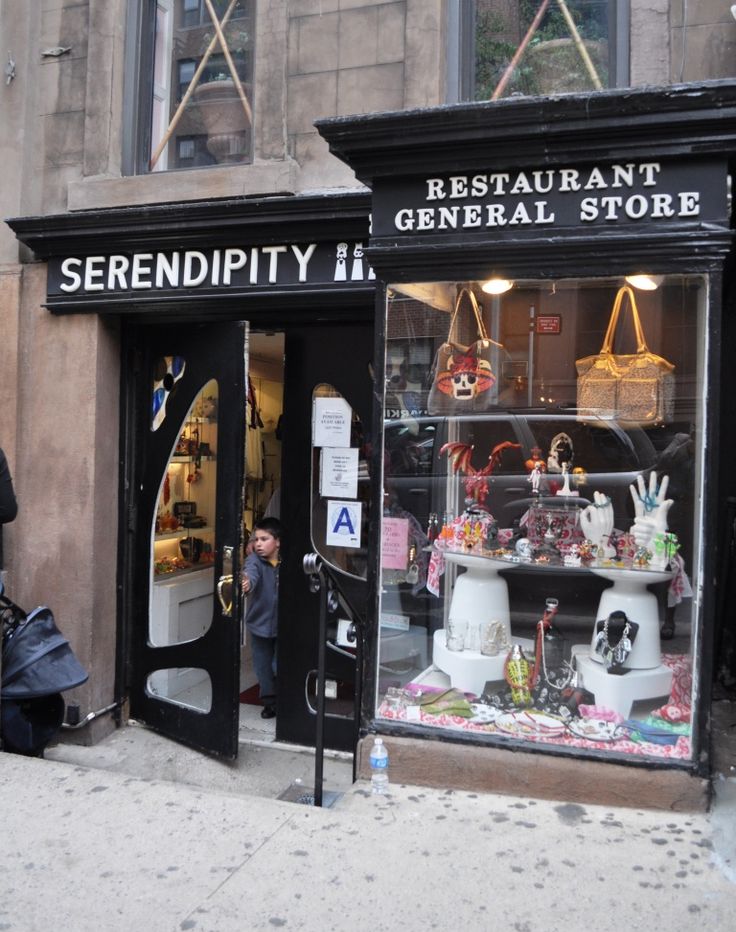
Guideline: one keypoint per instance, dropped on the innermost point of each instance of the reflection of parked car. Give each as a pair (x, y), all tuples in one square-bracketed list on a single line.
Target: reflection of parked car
[(421, 477)]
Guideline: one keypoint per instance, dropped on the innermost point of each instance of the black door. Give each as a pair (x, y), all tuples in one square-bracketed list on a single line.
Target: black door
[(187, 423), (338, 355)]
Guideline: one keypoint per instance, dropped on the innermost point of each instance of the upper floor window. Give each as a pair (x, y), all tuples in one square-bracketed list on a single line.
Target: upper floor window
[(195, 84), (543, 47)]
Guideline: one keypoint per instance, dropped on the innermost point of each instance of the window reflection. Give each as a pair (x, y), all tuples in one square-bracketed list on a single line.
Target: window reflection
[(185, 686), (202, 89), (183, 536)]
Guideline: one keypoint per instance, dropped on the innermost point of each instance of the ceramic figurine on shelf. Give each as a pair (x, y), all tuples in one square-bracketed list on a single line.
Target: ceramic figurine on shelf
[(596, 522), (587, 552), (518, 672), (651, 508), (535, 477), (476, 480), (566, 490), (535, 460)]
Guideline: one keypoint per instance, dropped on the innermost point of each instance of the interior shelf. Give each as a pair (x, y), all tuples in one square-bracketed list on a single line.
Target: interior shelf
[(183, 532)]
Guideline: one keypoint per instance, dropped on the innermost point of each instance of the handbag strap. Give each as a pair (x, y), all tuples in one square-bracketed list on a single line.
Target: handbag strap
[(480, 326), (641, 343)]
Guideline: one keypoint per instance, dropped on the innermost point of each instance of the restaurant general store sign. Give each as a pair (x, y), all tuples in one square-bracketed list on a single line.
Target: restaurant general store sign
[(499, 202)]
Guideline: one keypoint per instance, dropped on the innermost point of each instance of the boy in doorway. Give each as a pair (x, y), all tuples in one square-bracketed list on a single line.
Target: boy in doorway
[(260, 582)]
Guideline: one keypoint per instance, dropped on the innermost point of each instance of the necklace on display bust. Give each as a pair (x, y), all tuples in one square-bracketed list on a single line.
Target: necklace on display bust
[(615, 654)]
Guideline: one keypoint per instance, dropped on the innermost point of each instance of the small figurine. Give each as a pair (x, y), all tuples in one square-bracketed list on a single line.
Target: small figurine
[(518, 672), (535, 460), (535, 476), (566, 490)]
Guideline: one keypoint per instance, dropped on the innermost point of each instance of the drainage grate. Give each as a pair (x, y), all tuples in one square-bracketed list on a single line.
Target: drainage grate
[(298, 792)]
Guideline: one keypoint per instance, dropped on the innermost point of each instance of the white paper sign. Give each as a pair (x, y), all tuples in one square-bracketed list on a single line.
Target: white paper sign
[(339, 472), (331, 419), (344, 524)]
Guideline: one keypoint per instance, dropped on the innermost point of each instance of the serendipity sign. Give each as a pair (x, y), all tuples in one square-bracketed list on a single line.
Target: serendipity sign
[(246, 268), (551, 198)]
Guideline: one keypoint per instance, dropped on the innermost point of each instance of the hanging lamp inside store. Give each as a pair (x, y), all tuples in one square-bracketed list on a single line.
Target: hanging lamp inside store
[(644, 282), (497, 286)]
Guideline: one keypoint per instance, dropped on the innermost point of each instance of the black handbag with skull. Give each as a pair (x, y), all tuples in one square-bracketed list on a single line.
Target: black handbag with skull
[(462, 376)]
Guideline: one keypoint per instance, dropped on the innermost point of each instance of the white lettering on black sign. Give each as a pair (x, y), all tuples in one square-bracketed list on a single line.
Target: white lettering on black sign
[(629, 192), (249, 267)]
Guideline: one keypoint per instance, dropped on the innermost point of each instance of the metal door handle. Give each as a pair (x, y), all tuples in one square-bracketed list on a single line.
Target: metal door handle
[(227, 608)]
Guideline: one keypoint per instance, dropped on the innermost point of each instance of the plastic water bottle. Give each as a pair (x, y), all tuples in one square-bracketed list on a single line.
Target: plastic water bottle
[(379, 768)]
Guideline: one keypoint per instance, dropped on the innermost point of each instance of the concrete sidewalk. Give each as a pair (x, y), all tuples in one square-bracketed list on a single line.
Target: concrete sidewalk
[(86, 848)]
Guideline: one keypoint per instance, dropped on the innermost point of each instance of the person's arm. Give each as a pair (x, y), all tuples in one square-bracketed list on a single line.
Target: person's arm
[(8, 504), (251, 574)]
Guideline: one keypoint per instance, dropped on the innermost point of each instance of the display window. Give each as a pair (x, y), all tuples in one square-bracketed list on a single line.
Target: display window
[(542, 485)]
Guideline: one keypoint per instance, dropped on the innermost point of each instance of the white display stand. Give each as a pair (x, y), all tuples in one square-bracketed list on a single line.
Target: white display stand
[(469, 670), (619, 693), (646, 677), (480, 594), (629, 594)]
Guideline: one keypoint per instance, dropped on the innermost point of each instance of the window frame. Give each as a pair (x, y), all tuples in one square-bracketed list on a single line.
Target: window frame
[(461, 57)]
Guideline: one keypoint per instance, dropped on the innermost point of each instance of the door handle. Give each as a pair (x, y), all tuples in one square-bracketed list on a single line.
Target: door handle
[(227, 607)]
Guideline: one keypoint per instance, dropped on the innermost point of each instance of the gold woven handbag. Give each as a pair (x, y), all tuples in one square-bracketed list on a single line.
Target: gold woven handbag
[(635, 390)]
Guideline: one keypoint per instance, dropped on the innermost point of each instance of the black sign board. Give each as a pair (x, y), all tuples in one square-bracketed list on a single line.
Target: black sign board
[(544, 201), (152, 274)]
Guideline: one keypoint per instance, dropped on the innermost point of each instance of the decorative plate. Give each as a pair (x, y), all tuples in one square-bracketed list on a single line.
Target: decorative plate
[(530, 724), (595, 729), (483, 714)]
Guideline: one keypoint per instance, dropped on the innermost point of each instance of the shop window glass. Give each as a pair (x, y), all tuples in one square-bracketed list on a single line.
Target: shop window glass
[(196, 83), (539, 543), (189, 687), (537, 47), (183, 537)]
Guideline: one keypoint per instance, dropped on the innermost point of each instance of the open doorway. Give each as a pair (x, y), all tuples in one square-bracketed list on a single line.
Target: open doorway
[(261, 490)]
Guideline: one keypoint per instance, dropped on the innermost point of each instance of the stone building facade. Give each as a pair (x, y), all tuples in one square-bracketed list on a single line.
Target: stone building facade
[(66, 108)]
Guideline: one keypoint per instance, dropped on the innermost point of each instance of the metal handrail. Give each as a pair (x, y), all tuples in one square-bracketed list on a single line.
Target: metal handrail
[(323, 581)]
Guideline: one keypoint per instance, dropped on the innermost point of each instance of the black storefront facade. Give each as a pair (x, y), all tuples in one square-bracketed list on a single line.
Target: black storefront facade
[(187, 288), (562, 199), (542, 216)]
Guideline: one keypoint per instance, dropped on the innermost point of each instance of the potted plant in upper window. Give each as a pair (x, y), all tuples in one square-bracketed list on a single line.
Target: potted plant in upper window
[(223, 108)]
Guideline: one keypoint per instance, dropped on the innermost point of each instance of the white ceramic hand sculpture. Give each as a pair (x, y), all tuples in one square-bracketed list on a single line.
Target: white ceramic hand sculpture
[(596, 522), (650, 508)]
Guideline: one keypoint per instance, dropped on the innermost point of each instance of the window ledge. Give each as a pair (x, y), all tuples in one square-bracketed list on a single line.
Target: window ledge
[(259, 178)]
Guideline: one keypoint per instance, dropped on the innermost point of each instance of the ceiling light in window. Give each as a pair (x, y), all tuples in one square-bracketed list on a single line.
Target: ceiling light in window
[(644, 282), (497, 285)]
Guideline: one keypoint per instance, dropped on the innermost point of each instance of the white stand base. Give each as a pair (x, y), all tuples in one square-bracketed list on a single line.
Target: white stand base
[(470, 670), (621, 692), (629, 594), (480, 594)]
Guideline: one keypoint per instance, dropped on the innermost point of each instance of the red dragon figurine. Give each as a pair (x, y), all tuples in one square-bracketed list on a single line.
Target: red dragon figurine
[(476, 480)]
